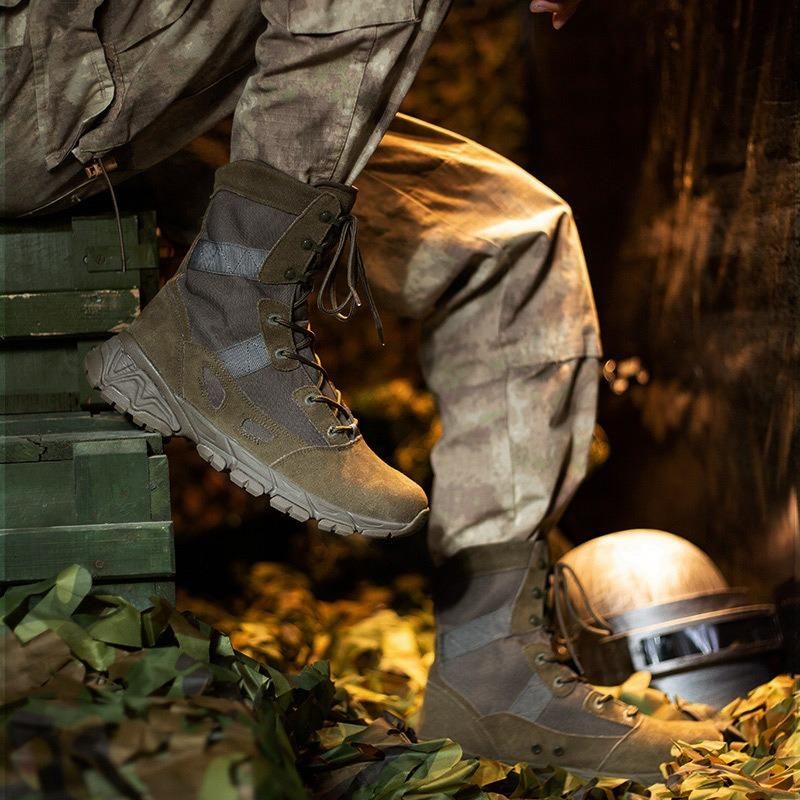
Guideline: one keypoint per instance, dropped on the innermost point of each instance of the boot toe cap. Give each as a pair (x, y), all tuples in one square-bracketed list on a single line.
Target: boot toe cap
[(357, 481), (649, 745)]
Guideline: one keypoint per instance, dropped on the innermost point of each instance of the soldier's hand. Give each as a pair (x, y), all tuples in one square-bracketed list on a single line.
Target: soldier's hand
[(561, 10)]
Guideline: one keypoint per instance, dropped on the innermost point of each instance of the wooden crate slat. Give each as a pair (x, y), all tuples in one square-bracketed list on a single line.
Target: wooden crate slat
[(138, 593), (67, 313), (38, 376), (112, 481), (51, 436), (77, 252), (37, 493), (109, 551), (160, 507)]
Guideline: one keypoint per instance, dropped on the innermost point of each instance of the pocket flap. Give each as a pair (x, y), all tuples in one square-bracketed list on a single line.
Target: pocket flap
[(334, 16), (126, 24)]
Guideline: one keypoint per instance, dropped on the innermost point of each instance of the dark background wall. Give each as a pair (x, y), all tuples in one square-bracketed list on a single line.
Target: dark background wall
[(674, 128)]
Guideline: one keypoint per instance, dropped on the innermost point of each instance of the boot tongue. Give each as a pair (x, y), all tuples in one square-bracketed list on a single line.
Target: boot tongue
[(346, 195)]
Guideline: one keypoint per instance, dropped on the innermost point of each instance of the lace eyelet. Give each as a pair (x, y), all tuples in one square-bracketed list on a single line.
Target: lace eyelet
[(307, 244), (600, 703), (631, 711), (537, 593), (282, 353), (559, 682), (558, 752), (536, 749), (311, 399), (534, 620), (290, 274), (273, 319), (325, 216), (540, 659), (331, 431)]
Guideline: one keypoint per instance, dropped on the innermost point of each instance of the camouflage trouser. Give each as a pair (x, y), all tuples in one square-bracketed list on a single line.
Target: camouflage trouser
[(453, 234)]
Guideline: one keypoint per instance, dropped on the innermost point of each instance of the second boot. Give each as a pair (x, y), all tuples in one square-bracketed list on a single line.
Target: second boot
[(498, 689)]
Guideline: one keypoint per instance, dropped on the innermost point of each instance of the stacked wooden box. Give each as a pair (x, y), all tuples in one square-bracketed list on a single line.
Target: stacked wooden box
[(77, 484)]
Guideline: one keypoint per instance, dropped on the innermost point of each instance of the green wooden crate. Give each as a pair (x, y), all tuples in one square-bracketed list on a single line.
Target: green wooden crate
[(62, 291), (46, 376), (86, 489), (64, 277)]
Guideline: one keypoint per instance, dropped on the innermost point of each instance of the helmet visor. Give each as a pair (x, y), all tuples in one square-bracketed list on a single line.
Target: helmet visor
[(662, 651)]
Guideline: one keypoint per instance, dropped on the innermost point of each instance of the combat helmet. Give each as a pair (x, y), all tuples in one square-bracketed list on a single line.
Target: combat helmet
[(650, 600)]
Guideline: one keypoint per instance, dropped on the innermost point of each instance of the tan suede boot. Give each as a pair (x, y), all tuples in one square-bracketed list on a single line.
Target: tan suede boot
[(498, 691), (224, 356)]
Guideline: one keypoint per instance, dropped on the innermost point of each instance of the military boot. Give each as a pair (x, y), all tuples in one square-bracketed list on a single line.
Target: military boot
[(498, 690), (224, 355)]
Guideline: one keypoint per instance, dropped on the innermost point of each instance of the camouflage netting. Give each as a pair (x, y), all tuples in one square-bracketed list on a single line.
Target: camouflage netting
[(103, 701)]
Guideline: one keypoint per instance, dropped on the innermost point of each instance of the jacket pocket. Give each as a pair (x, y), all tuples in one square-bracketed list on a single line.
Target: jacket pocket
[(125, 24), (335, 16), (13, 23)]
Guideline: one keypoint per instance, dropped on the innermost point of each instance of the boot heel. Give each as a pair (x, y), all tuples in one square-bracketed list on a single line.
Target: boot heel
[(445, 717), (126, 385)]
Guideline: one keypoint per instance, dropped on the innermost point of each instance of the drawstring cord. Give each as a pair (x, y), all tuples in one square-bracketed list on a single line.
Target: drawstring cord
[(356, 276), (95, 170)]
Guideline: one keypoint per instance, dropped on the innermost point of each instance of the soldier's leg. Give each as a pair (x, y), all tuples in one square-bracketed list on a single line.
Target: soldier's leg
[(172, 82), (491, 259), (329, 81)]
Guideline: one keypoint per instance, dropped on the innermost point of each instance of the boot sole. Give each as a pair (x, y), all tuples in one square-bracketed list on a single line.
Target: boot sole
[(645, 779), (126, 379)]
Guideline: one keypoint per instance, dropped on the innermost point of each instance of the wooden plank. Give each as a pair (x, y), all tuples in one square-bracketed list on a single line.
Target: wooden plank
[(112, 481), (39, 376), (37, 494), (59, 422), (109, 551), (76, 253), (96, 248), (67, 313), (138, 593), (44, 437), (160, 507)]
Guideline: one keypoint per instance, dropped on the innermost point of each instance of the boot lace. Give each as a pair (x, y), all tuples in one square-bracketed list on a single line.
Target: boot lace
[(564, 608), (355, 276), (342, 309)]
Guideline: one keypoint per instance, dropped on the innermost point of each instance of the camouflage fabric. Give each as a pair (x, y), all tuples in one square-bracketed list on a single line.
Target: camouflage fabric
[(100, 701), (490, 259), (314, 84), (453, 234)]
